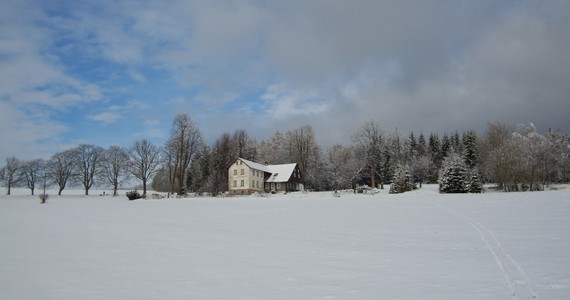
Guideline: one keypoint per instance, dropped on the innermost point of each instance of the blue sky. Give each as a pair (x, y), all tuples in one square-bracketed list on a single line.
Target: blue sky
[(112, 72)]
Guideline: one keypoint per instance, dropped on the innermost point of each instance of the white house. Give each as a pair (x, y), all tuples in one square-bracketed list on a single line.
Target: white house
[(246, 177)]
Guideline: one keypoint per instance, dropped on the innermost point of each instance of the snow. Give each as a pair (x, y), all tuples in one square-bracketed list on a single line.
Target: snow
[(415, 245), (256, 166), (281, 173)]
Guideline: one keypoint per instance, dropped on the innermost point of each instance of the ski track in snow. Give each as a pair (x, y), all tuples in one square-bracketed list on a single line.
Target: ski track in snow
[(497, 250)]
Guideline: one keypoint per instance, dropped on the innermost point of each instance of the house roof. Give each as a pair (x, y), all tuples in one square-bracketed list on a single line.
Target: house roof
[(281, 173), (255, 165)]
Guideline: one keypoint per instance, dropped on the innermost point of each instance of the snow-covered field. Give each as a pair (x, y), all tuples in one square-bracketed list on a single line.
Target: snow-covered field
[(418, 245)]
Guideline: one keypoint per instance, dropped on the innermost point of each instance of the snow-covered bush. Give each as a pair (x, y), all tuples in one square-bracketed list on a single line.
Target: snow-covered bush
[(133, 195), (453, 175), (402, 181)]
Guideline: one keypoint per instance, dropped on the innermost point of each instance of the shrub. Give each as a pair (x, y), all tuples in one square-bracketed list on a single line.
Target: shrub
[(133, 195), (43, 198)]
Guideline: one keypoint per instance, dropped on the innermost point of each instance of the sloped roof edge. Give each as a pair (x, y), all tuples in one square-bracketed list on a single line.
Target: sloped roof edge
[(281, 173), (255, 165)]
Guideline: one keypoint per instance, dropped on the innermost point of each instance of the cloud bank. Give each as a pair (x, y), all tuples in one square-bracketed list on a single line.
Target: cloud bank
[(71, 69)]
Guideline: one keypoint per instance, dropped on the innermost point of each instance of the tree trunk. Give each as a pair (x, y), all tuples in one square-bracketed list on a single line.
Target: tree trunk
[(180, 184), (144, 188)]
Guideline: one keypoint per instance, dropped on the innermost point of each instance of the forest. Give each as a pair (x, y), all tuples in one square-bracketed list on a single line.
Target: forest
[(514, 158)]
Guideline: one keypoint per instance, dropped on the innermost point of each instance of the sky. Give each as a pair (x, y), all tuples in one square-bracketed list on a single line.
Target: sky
[(113, 72)]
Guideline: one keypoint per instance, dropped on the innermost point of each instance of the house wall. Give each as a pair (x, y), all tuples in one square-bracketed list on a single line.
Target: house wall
[(244, 180), (295, 183), (289, 186)]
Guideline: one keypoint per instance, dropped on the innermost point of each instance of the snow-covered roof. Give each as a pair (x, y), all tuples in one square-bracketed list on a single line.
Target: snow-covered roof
[(256, 166), (280, 173)]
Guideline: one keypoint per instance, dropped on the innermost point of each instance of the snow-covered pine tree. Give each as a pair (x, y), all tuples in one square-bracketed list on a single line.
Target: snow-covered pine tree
[(474, 185), (453, 175), (445, 149), (422, 145), (470, 148), (402, 181)]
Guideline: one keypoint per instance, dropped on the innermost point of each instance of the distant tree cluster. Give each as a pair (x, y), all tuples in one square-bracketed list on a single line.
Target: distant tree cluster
[(84, 165), (514, 158)]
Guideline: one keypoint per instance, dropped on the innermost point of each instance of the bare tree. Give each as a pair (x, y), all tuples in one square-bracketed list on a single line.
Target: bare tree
[(559, 166), (370, 139), (88, 164), (537, 156), (115, 166), (9, 173), (224, 152), (304, 150), (160, 180), (169, 162), (30, 171), (145, 158), (245, 146), (201, 170), (274, 151), (184, 143), (60, 168), (419, 168), (341, 165)]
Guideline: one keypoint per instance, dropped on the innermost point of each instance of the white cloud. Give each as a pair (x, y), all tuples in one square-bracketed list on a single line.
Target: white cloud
[(283, 102), (106, 117), (28, 135), (35, 84), (434, 65)]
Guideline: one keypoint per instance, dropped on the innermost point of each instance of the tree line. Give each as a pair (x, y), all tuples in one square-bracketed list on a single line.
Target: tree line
[(516, 158)]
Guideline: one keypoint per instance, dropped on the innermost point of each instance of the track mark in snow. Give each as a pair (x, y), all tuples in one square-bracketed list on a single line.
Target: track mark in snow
[(497, 250)]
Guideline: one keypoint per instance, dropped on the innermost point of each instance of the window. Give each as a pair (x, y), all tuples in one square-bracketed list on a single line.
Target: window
[(252, 183), (235, 171), (235, 183), (241, 183), (242, 172)]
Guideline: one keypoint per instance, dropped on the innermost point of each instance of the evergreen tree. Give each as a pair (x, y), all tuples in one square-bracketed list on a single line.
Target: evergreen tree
[(402, 181), (387, 167), (456, 142), (474, 185), (422, 146), (413, 145), (470, 149), (453, 176), (445, 149), (434, 154)]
